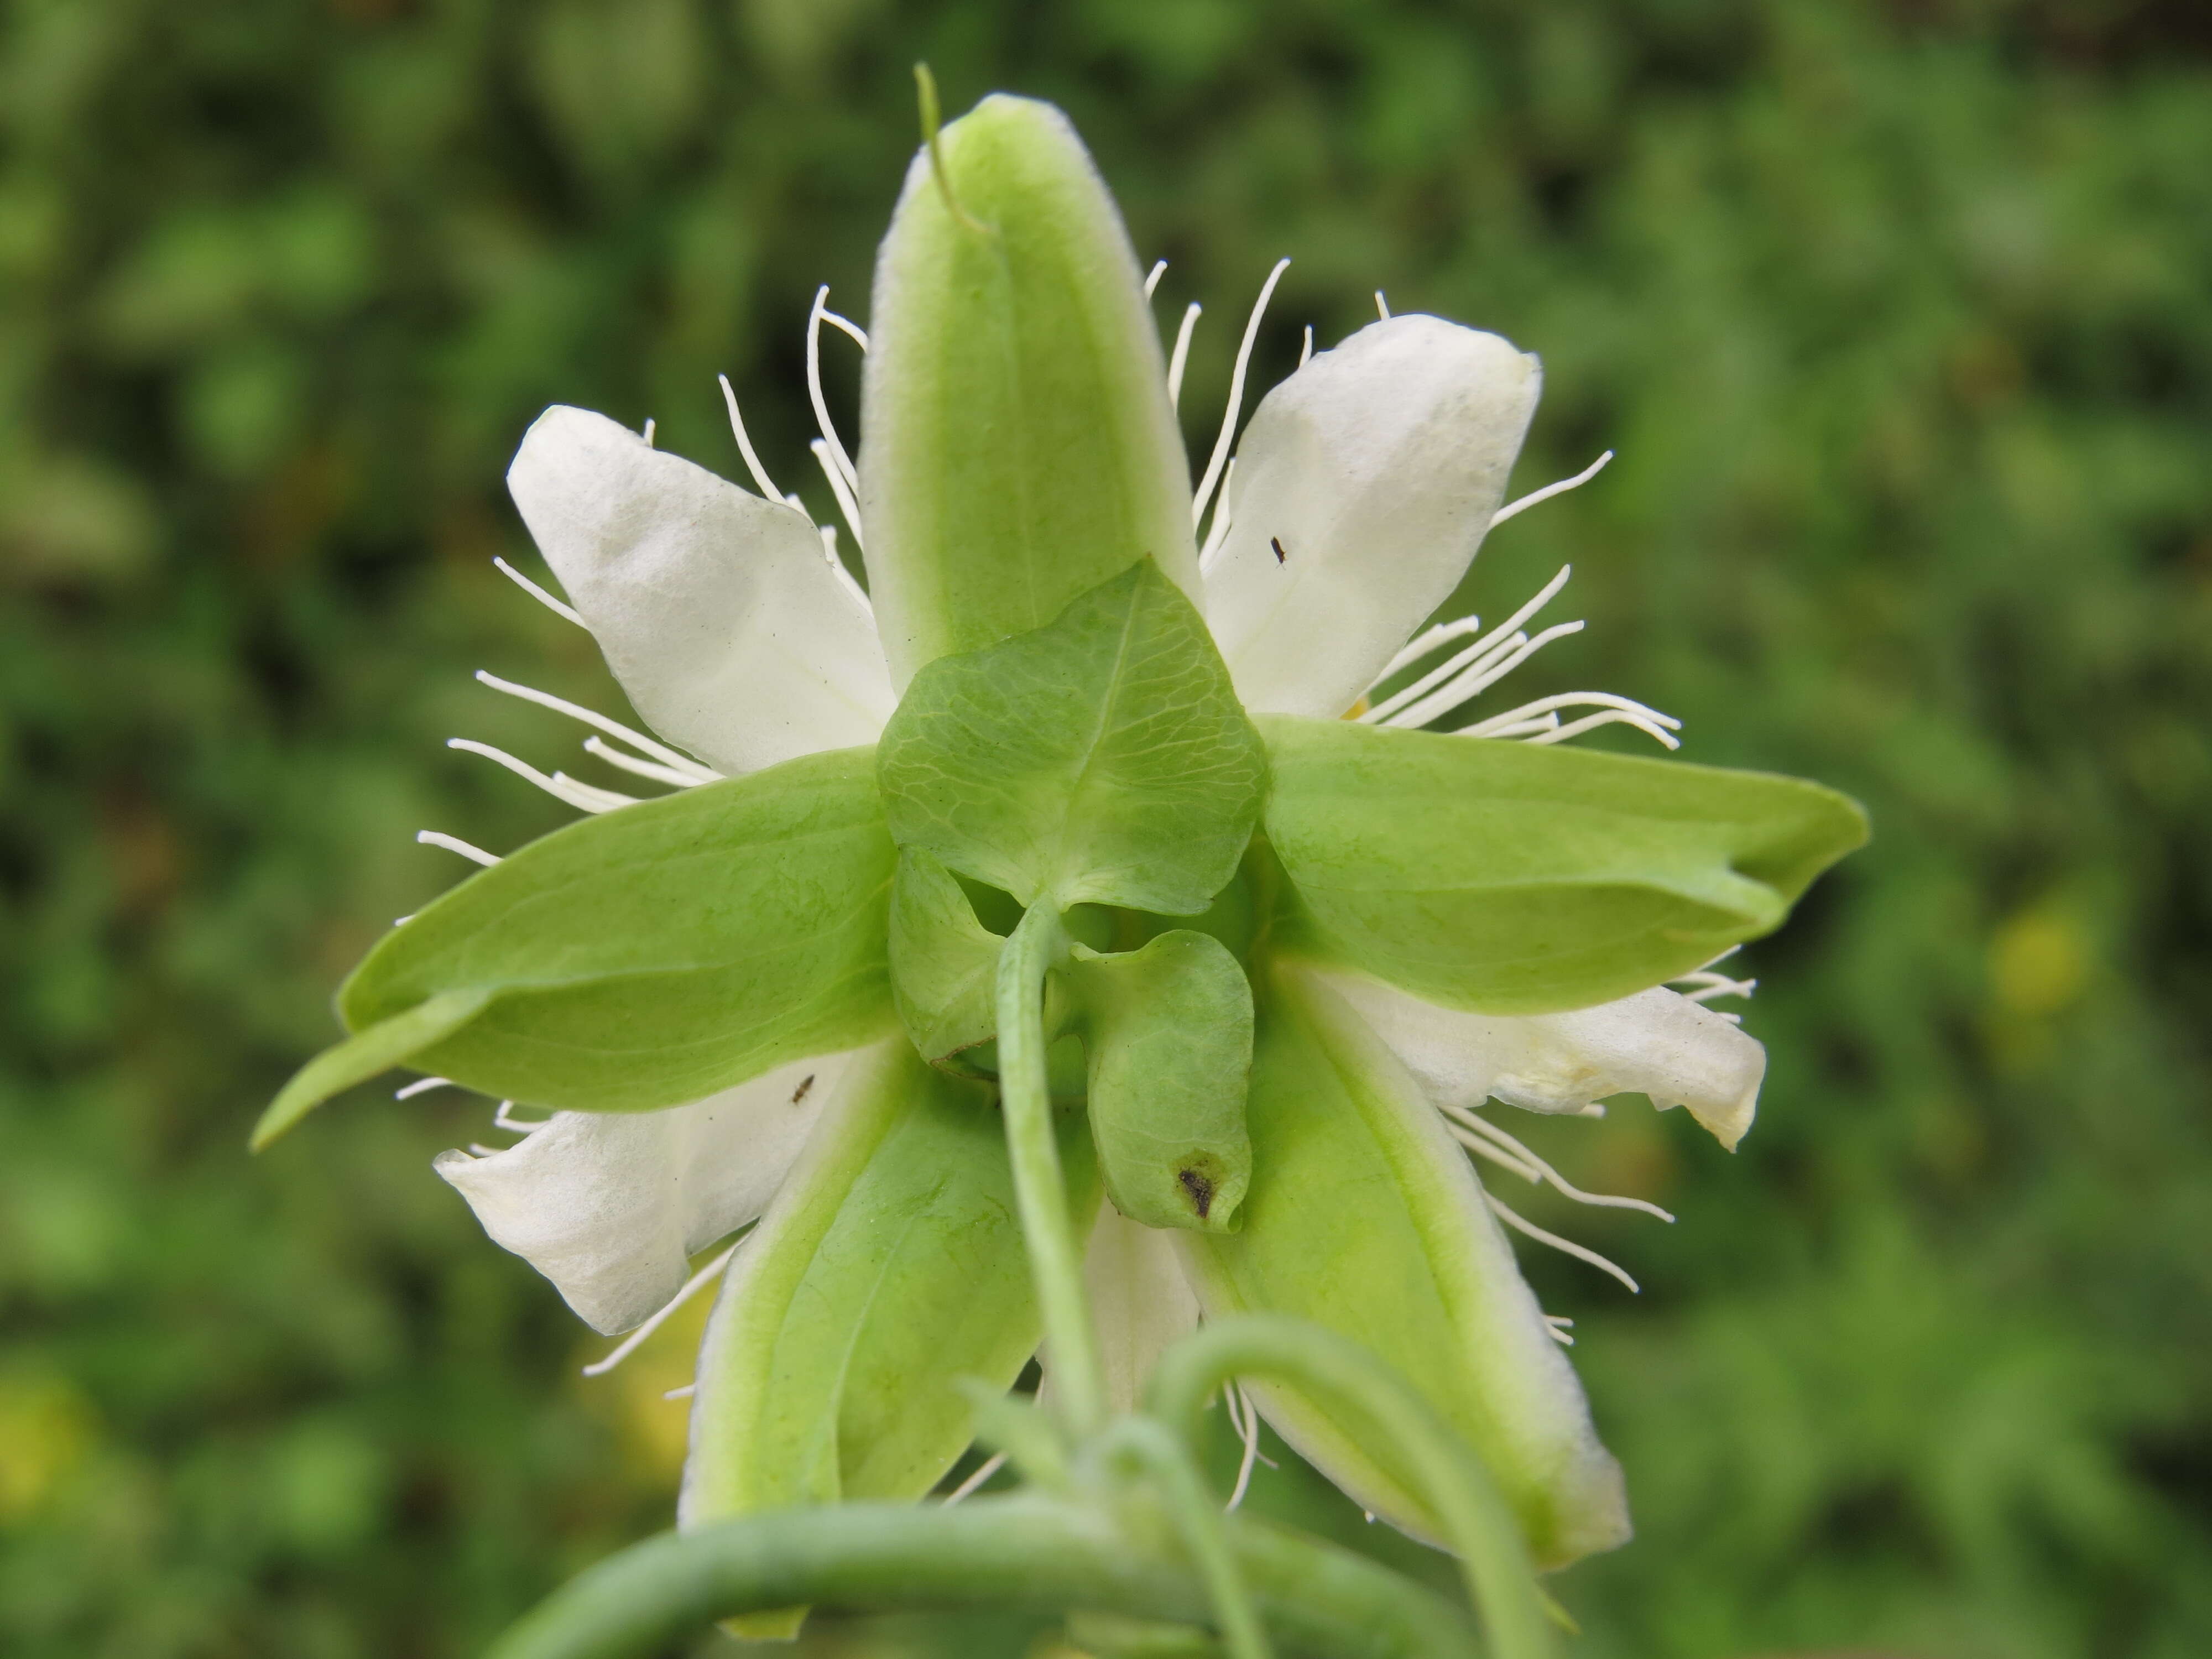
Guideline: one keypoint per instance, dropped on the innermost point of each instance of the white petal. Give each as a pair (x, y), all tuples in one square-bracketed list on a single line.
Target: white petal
[(1140, 1302), (611, 1206), (1375, 467), (1657, 1043), (717, 611)]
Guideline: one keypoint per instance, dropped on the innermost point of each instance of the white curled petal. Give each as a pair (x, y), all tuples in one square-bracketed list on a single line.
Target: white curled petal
[(1375, 470), (1657, 1043), (716, 610), (1139, 1300), (612, 1206)]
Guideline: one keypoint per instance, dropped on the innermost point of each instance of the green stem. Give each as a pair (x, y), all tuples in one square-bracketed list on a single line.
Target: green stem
[(1024, 1552), (1352, 1383), (1040, 1193), (1147, 1444)]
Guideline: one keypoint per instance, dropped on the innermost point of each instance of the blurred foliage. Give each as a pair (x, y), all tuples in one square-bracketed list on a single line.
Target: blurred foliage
[(1899, 317)]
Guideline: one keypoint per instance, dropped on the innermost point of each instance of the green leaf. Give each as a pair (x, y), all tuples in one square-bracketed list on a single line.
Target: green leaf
[(1167, 1033), (889, 1265), (1104, 757), (944, 963), (1509, 879), (647, 956), (362, 1056), (1019, 445), (1365, 1218)]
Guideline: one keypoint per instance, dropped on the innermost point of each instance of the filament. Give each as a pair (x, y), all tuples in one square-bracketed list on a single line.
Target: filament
[(630, 1344), (1180, 357), (582, 796), (1217, 532), (745, 444), (1481, 674), (814, 388), (455, 844), (839, 487), (989, 1467), (1220, 455), (852, 330), (1581, 1252), (1444, 632), (614, 728), (1610, 717), (1540, 1172), (643, 769), (504, 1118), (1512, 510), (1246, 1421), (557, 606)]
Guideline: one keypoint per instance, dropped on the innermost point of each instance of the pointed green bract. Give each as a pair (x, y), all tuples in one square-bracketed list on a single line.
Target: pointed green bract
[(1365, 1218), (1167, 1033), (388, 1043), (1509, 879), (652, 955), (1101, 758), (889, 1266), (944, 963), (1017, 448)]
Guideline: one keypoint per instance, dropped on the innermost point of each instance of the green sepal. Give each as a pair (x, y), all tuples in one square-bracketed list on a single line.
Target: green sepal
[(944, 963), (1017, 446), (1365, 1218), (1510, 879), (1167, 1034), (1101, 758), (889, 1265), (645, 957), (379, 1048)]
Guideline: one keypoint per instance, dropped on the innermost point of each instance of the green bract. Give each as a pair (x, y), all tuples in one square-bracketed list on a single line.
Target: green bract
[(1364, 1218), (643, 957), (1516, 880), (1168, 1031), (889, 1269), (944, 963), (1017, 446), (889, 1266), (1102, 758)]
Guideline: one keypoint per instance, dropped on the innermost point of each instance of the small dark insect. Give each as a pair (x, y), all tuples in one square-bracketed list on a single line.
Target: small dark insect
[(805, 1083), (1279, 555), (1201, 1190)]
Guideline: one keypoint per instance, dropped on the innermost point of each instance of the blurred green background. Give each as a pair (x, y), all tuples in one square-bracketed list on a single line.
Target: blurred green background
[(1900, 317)]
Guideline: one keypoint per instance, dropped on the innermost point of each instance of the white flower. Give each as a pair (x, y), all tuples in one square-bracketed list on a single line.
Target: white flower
[(1359, 493)]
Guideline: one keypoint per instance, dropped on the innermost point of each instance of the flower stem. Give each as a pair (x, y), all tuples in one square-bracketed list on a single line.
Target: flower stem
[(1040, 1191), (1516, 1615), (1027, 1551), (1151, 1446)]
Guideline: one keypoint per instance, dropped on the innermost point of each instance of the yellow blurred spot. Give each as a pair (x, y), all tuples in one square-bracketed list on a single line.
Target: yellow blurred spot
[(2038, 964), (47, 1431)]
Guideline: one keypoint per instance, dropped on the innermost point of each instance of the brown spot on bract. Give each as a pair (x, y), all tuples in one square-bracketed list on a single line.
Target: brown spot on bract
[(805, 1083), (1201, 1190)]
